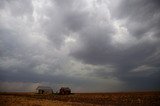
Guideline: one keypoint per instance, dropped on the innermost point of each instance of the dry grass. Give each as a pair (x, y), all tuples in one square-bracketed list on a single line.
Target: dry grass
[(23, 101), (81, 99), (14, 100)]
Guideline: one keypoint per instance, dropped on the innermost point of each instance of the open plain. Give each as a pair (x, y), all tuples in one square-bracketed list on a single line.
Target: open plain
[(81, 99)]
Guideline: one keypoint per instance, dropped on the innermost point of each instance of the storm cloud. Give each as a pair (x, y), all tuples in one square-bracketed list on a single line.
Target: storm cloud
[(88, 45)]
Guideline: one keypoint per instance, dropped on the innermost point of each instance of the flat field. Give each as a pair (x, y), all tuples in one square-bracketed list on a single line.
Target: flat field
[(81, 99)]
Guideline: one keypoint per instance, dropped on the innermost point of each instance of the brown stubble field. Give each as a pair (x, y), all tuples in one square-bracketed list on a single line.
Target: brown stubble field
[(81, 99)]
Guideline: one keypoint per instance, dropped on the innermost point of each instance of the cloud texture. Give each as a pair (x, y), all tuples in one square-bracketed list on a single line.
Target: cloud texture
[(88, 45)]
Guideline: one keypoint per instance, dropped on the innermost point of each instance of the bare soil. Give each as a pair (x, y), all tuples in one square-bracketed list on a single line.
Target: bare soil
[(81, 99)]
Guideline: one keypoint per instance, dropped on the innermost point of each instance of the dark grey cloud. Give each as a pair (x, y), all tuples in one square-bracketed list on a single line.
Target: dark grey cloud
[(28, 76), (75, 21), (87, 45), (142, 21), (140, 18), (95, 46), (141, 9), (64, 18)]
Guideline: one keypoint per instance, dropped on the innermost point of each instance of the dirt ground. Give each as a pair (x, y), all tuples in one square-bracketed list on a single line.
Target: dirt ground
[(81, 99)]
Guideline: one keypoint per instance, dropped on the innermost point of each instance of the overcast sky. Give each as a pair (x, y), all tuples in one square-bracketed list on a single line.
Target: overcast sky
[(87, 45)]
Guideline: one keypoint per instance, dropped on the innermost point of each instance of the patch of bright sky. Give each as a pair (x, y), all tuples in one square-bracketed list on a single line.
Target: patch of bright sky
[(122, 35)]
